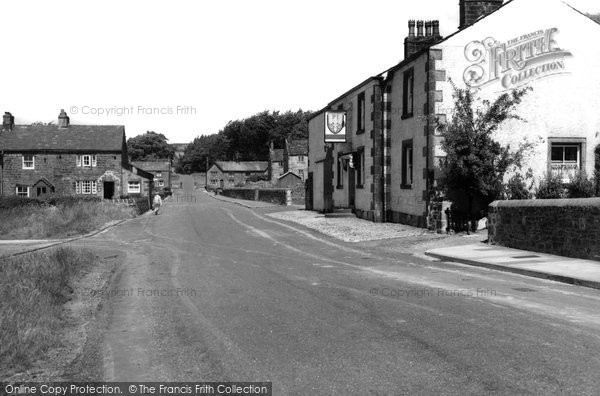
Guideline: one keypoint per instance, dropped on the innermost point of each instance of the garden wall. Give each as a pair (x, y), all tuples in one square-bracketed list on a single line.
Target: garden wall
[(280, 196), (566, 227)]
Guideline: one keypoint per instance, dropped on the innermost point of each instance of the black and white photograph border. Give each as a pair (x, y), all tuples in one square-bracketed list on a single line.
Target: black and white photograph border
[(278, 198)]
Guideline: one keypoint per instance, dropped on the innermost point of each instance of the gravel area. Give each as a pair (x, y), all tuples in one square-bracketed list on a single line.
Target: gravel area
[(349, 229)]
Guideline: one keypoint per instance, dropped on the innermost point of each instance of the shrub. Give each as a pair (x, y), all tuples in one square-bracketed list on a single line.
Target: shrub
[(581, 186), (33, 289), (550, 187), (516, 188)]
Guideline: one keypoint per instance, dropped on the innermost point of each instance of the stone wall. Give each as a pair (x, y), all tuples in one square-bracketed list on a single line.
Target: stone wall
[(566, 227), (279, 196)]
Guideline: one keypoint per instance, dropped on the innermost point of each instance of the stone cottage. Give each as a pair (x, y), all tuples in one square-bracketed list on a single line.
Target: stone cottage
[(88, 160)]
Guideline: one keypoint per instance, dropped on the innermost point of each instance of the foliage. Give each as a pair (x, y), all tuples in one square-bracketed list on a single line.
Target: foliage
[(516, 187), (580, 186), (550, 187), (149, 146), (244, 140), (597, 169), (475, 164), (33, 289)]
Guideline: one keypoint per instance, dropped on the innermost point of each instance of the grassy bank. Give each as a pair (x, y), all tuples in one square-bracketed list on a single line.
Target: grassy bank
[(39, 221), (33, 289)]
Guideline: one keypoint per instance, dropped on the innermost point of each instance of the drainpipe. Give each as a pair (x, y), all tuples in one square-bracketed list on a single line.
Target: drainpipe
[(383, 150), (2, 173), (428, 184)]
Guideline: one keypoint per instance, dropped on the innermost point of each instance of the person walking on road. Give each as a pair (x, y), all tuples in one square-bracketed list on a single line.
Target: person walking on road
[(156, 203)]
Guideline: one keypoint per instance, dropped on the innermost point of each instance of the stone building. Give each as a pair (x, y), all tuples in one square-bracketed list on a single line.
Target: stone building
[(160, 169), (64, 159), (387, 169), (293, 157), (227, 174)]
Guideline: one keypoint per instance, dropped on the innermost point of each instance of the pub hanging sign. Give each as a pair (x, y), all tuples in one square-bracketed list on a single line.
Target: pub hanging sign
[(335, 126)]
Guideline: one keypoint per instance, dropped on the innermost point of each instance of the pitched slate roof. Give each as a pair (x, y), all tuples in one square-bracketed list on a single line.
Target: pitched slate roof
[(290, 173), (298, 147), (242, 166), (73, 138), (152, 165)]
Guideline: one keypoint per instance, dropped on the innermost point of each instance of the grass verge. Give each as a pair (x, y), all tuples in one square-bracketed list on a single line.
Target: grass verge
[(33, 291), (60, 221)]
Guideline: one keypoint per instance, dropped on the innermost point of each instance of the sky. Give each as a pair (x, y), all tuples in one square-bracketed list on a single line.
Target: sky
[(185, 68)]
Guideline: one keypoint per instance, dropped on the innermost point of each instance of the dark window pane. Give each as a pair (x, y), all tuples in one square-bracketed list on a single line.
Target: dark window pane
[(557, 153), (571, 153)]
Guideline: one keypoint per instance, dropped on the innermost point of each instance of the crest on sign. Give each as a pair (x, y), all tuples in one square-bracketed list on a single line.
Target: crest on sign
[(335, 127)]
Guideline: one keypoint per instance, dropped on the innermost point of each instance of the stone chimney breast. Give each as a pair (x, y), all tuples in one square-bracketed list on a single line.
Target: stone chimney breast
[(63, 119), (423, 39), (472, 10), (8, 121)]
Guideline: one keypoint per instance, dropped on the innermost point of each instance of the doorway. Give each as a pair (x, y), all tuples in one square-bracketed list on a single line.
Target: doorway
[(109, 189), (351, 187)]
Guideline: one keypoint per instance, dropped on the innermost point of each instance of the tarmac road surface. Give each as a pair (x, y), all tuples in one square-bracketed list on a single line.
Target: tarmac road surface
[(213, 291)]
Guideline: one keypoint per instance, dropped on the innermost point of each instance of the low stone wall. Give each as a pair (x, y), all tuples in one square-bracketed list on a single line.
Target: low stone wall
[(280, 196), (566, 227)]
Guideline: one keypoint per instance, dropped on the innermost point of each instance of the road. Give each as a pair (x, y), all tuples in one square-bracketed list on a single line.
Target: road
[(253, 299)]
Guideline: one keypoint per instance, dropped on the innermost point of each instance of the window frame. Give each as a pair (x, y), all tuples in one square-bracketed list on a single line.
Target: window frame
[(24, 161), (361, 111), (408, 93), (580, 143), (408, 166), (359, 167), (131, 190), (19, 193)]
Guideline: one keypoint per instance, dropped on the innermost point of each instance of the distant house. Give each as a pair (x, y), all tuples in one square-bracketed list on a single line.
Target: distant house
[(231, 173), (292, 158), (288, 180), (39, 160), (160, 169)]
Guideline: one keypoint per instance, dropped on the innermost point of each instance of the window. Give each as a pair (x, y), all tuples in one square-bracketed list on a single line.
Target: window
[(28, 161), (86, 187), (158, 174), (22, 191), (407, 164), (408, 93), (359, 166), (87, 160), (340, 179), (134, 187), (300, 158), (301, 173), (361, 114), (161, 183), (565, 160)]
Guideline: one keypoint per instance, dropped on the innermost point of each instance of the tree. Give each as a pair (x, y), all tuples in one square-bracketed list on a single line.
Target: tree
[(245, 140), (149, 146), (475, 164)]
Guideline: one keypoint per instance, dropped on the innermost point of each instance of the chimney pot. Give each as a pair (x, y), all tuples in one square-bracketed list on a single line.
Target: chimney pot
[(419, 28), (428, 29), (63, 119), (8, 121), (436, 29), (411, 28)]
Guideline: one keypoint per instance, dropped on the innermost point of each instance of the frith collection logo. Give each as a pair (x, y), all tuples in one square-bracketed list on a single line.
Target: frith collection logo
[(515, 62)]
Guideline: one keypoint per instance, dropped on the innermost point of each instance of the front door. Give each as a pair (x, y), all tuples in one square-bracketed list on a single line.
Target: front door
[(109, 189)]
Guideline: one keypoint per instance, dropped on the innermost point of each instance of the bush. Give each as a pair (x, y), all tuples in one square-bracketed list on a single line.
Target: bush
[(516, 188), (550, 187), (256, 178), (581, 186)]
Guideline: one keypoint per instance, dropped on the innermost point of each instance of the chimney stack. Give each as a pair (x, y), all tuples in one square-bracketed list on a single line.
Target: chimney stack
[(472, 10), (63, 119), (414, 44), (8, 121)]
